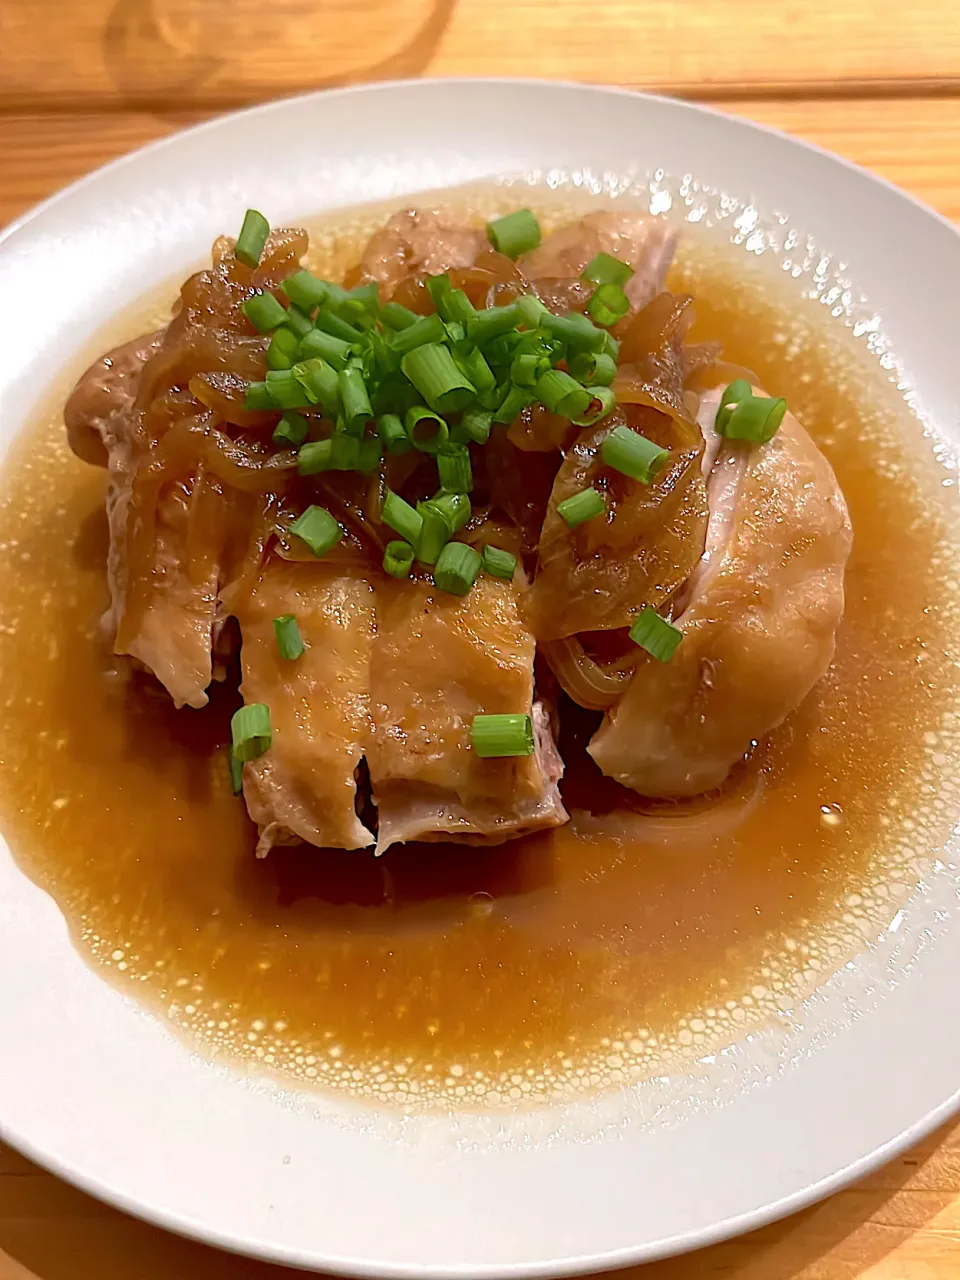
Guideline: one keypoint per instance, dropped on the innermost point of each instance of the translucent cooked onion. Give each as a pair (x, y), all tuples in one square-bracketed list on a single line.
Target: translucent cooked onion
[(584, 680)]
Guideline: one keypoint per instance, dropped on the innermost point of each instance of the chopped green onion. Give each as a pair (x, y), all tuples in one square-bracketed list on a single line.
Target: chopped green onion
[(298, 321), (457, 567), (334, 350), (454, 507), (236, 771), (426, 429), (603, 401), (264, 312), (608, 304), (562, 394), (575, 330), (319, 380), (433, 371), (329, 322), (455, 306), (593, 368), (502, 349), (517, 233), (394, 316), (355, 400), (291, 430), (606, 269), (456, 332), (283, 350), (474, 425), (527, 367), (391, 431), (633, 455), (531, 310), (739, 389), (435, 532), (286, 391), (438, 287), (499, 563), (493, 322), (318, 529), (339, 453), (401, 517), (497, 736), (369, 453), (250, 731), (289, 639), (611, 346), (398, 559), (513, 403), (453, 465), (306, 290), (257, 398), (469, 360), (582, 506), (655, 634), (744, 416), (252, 238), (424, 330), (365, 296)]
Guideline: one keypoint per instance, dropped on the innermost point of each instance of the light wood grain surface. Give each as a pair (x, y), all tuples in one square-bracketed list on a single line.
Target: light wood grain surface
[(84, 81)]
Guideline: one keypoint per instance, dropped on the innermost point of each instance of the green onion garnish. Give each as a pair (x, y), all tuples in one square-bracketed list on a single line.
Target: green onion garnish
[(562, 394), (757, 419), (401, 517), (454, 507), (355, 400), (329, 322), (425, 329), (633, 455), (391, 431), (334, 350), (318, 529), (655, 634), (291, 430), (394, 316), (514, 234), (739, 389), (513, 403), (252, 238), (499, 563), (606, 269), (369, 453), (289, 639), (257, 398), (469, 360), (527, 367), (426, 429), (453, 465), (474, 425), (608, 304), (433, 371), (575, 330), (340, 453), (455, 306), (435, 531), (494, 736), (611, 346), (457, 567), (298, 321), (306, 290), (603, 400), (593, 368), (398, 559), (284, 349), (493, 323), (264, 312), (319, 380), (582, 506), (236, 772), (250, 731), (285, 391)]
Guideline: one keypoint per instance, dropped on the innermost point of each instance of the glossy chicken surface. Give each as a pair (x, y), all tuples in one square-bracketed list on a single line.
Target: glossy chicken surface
[(742, 546)]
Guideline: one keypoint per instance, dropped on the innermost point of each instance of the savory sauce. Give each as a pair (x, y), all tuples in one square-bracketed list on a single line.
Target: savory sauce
[(605, 950)]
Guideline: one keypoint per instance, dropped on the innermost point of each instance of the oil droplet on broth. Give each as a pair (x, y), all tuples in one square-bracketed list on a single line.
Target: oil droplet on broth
[(564, 963)]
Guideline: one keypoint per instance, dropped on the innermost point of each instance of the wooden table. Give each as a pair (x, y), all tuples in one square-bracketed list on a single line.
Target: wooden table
[(82, 81)]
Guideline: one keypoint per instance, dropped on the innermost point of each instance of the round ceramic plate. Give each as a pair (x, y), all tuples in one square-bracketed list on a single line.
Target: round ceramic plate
[(100, 1092)]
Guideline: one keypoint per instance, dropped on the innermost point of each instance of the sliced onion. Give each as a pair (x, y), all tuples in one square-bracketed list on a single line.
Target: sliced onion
[(584, 680)]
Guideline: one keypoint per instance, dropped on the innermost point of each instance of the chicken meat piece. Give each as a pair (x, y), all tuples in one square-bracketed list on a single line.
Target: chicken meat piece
[(176, 612), (304, 787), (439, 660), (643, 242), (758, 616), (419, 242)]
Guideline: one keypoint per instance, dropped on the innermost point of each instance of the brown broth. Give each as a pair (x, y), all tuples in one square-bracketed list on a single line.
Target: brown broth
[(606, 950)]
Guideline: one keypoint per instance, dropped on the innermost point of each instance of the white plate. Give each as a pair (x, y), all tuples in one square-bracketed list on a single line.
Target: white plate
[(99, 1091)]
